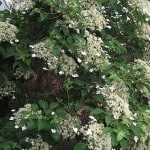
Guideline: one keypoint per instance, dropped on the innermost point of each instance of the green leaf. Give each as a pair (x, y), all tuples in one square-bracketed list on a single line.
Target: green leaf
[(96, 111), (31, 124), (34, 107), (84, 92), (43, 104), (60, 112), (80, 146), (120, 135), (41, 125), (123, 144), (108, 120)]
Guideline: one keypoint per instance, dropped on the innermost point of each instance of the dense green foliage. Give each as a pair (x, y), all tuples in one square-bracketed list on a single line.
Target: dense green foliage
[(52, 73)]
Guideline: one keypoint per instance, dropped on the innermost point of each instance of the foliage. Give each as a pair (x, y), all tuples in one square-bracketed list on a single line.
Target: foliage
[(71, 65)]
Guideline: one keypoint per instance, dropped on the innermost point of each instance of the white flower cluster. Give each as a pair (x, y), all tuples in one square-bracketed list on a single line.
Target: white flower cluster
[(95, 54), (19, 74), (8, 89), (38, 144), (7, 32), (64, 64), (145, 31), (68, 127), (96, 139), (117, 98), (146, 66), (143, 5), (89, 11), (92, 14), (19, 115), (20, 5)]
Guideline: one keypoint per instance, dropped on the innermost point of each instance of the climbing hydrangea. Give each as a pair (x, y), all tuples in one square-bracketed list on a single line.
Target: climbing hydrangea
[(96, 139), (8, 89), (19, 74), (19, 115), (21, 5), (143, 5), (37, 143), (68, 126), (7, 32), (92, 14), (94, 55), (64, 64), (117, 98)]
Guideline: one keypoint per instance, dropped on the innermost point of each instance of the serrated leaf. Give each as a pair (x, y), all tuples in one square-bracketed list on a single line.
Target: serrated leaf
[(80, 146), (31, 124), (123, 144), (41, 125), (120, 135), (96, 111), (43, 104)]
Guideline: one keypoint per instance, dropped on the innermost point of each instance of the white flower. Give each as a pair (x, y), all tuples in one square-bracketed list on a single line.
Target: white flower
[(91, 70), (39, 112), (16, 126), (75, 130), (124, 9), (79, 60), (13, 110), (52, 113), (53, 130), (131, 118), (134, 123), (89, 132), (31, 46), (44, 68), (11, 42), (93, 118), (13, 97), (103, 77), (16, 40), (34, 55), (98, 92), (136, 139), (75, 75), (97, 54), (83, 53), (23, 128), (61, 72), (11, 118)]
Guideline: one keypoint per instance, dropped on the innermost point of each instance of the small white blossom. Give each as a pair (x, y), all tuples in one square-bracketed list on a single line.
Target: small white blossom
[(61, 72), (89, 132), (44, 68), (136, 139), (75, 130), (31, 46), (13, 110), (75, 75), (23, 128), (16, 126), (34, 55), (134, 123), (79, 60), (11, 118), (83, 53), (53, 130), (52, 113), (93, 118)]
